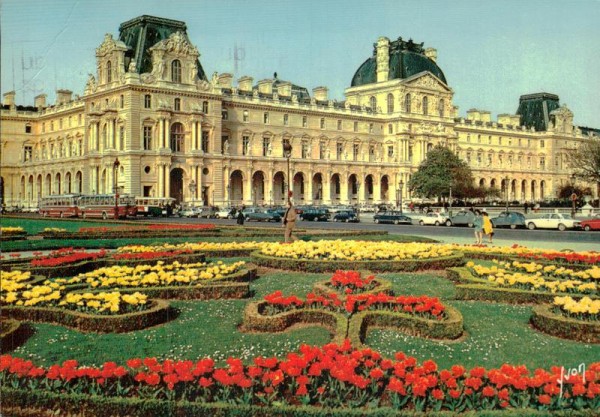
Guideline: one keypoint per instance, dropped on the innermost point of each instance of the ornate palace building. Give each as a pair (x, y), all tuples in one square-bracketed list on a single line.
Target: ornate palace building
[(178, 133)]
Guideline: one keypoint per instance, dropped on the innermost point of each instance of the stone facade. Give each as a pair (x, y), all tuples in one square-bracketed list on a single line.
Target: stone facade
[(178, 134)]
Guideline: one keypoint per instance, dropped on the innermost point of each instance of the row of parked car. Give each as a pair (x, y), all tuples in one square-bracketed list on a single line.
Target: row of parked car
[(510, 219)]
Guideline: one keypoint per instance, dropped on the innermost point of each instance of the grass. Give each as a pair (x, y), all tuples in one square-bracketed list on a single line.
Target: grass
[(495, 333)]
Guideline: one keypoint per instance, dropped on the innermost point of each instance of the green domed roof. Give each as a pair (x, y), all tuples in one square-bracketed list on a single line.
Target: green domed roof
[(406, 59)]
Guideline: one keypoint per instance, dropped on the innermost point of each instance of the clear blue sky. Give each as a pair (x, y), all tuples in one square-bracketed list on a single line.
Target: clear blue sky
[(490, 52)]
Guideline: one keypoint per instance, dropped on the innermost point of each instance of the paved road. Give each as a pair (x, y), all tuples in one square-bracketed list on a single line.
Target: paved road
[(547, 239)]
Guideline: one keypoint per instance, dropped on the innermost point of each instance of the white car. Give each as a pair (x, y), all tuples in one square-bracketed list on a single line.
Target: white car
[(224, 213), (553, 221), (435, 219)]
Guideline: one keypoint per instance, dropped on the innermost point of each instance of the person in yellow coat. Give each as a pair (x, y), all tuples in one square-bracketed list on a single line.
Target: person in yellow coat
[(488, 227)]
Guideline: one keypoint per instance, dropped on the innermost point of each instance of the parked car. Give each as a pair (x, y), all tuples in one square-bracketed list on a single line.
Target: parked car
[(553, 221), (316, 215), (394, 217), (261, 215), (512, 219), (226, 213), (435, 219), (462, 218), (346, 216), (189, 212), (591, 224), (208, 212)]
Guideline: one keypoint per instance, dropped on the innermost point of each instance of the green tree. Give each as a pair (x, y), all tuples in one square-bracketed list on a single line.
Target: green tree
[(585, 161), (440, 170)]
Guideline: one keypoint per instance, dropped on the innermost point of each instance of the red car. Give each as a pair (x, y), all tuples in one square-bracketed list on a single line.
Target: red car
[(592, 224)]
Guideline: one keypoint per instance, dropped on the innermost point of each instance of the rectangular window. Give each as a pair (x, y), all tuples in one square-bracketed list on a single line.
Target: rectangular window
[(339, 149), (266, 145), (322, 123), (304, 121), (147, 101), (286, 119), (177, 106), (542, 162), (305, 154), (27, 153), (370, 127), (410, 153), (339, 125), (204, 141), (60, 124), (44, 127), (356, 126), (390, 128), (245, 145), (121, 137), (122, 101), (205, 107), (225, 115), (479, 158), (147, 138), (489, 140), (542, 143), (51, 126), (355, 151), (390, 151), (27, 128), (371, 153), (266, 117), (321, 150)]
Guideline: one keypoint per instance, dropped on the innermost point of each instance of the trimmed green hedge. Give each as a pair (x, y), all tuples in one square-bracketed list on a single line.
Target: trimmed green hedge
[(158, 312), (255, 321), (38, 402), (450, 328), (547, 321), (320, 265), (11, 335), (470, 287), (325, 287)]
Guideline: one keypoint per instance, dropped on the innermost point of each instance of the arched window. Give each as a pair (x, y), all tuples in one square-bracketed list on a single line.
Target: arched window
[(390, 103), (407, 102), (176, 71), (441, 107), (425, 105), (108, 72), (205, 108), (373, 103), (177, 137)]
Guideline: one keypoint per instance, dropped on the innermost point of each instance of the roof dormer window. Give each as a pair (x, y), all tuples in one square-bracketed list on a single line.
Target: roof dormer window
[(176, 71)]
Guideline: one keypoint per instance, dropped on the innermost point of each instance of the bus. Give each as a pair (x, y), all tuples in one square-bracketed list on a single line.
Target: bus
[(153, 206), (64, 205), (104, 206)]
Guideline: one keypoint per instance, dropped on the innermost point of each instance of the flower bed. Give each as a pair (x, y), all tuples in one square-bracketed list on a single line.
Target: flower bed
[(66, 256), (149, 230), (212, 249), (326, 380), (352, 282), (12, 233), (329, 256), (425, 316), (547, 319)]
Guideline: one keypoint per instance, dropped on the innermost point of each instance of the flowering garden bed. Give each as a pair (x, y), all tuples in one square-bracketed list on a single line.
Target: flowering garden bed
[(349, 314), (329, 256), (569, 318), (333, 380), (12, 233)]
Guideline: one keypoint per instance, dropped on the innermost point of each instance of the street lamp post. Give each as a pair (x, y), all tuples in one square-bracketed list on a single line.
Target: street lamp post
[(506, 185), (573, 197), (450, 202), (287, 153), (400, 187), (116, 165)]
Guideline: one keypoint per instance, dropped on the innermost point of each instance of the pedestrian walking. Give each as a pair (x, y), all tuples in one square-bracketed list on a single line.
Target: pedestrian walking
[(478, 225), (240, 216), (488, 227), (289, 220)]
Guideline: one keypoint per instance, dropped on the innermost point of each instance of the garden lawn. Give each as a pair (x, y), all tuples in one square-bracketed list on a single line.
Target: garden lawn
[(495, 333)]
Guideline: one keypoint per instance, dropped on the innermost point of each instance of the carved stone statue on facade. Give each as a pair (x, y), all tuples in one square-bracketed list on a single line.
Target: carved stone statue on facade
[(91, 85), (193, 72), (132, 67), (226, 146)]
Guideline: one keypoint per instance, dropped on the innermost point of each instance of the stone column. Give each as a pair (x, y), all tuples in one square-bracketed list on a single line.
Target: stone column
[(377, 190), (248, 188)]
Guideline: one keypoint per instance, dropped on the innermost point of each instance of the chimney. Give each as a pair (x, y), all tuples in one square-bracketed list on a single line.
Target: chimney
[(245, 83), (473, 114), (9, 99), (383, 59), (225, 80), (63, 96), (486, 116), (320, 93), (284, 89), (40, 101), (265, 86), (431, 53)]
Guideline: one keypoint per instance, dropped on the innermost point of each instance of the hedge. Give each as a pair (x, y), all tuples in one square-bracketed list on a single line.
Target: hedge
[(158, 312), (325, 287), (12, 334), (472, 288), (545, 320), (449, 328), (254, 320), (15, 401), (321, 265)]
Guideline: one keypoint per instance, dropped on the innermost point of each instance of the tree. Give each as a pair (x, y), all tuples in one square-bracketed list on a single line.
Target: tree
[(440, 170), (566, 191), (585, 161)]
